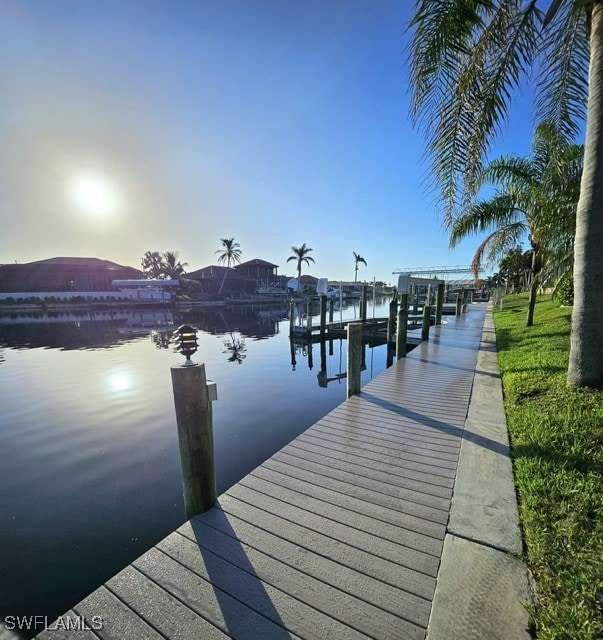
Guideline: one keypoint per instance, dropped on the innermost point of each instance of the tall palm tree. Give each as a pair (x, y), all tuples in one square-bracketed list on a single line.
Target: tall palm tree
[(357, 258), (172, 267), (231, 254), (534, 195), (300, 254), (468, 58)]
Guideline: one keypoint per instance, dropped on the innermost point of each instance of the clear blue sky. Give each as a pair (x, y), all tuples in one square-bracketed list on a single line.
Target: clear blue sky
[(129, 125)]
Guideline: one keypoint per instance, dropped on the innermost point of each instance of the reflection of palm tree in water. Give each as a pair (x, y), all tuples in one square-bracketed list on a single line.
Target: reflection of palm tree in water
[(235, 346)]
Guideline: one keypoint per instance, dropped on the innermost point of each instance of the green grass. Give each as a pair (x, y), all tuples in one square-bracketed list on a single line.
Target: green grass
[(556, 435)]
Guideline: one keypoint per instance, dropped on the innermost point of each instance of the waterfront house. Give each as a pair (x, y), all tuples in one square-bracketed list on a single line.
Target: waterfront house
[(63, 274)]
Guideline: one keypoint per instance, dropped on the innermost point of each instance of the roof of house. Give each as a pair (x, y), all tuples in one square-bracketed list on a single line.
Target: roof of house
[(77, 262), (256, 262), (212, 269)]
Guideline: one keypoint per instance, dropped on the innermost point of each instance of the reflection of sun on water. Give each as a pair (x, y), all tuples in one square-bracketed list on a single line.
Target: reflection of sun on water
[(120, 382), (94, 194)]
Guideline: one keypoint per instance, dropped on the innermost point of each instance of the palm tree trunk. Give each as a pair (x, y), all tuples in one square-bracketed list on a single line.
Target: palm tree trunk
[(586, 352), (224, 278), (536, 266)]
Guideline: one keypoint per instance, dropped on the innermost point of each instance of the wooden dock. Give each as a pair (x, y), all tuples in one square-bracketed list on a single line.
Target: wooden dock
[(337, 536)]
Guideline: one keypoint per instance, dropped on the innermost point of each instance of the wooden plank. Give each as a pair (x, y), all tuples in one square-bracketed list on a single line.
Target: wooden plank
[(357, 585), (430, 507), (58, 629), (406, 445), (218, 607), (412, 461), (293, 492), (319, 522), (164, 612), (385, 460), (117, 621), (352, 557), (272, 602), (422, 519), (376, 469), (405, 420), (291, 578), (416, 531)]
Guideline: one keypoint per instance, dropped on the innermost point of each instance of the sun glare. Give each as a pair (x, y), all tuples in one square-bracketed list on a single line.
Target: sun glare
[(94, 195)]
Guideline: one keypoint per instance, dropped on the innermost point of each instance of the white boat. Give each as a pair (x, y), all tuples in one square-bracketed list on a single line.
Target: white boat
[(335, 292), (272, 289)]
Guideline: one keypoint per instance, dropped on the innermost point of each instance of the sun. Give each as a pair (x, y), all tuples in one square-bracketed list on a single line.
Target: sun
[(94, 195)]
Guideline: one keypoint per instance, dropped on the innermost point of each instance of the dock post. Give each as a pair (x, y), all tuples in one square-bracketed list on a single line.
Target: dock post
[(391, 323), (426, 322), (402, 327), (323, 316), (439, 302), (193, 395), (363, 303), (291, 318), (354, 358), (331, 308), (459, 305)]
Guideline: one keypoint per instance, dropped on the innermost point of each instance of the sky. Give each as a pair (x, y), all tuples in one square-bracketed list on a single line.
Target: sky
[(166, 125)]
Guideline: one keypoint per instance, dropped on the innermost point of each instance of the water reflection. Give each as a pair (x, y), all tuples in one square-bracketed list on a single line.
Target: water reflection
[(235, 347), (80, 329)]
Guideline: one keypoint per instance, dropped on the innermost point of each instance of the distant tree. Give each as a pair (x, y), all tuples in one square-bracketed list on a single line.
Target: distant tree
[(514, 269), (300, 254), (231, 254), (172, 267), (357, 258), (152, 264), (162, 265)]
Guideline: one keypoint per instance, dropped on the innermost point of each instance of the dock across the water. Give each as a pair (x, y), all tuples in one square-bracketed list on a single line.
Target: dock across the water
[(338, 536)]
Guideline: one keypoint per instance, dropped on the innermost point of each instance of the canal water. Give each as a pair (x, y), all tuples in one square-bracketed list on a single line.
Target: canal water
[(90, 468)]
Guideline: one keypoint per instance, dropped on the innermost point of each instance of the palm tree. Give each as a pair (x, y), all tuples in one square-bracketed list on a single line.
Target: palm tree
[(152, 264), (301, 255), (535, 193), (231, 254), (172, 267), (357, 258), (468, 58)]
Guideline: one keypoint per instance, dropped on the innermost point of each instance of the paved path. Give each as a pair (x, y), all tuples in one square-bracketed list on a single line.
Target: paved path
[(339, 535)]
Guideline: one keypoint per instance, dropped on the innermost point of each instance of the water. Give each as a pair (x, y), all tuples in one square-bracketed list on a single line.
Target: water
[(90, 465)]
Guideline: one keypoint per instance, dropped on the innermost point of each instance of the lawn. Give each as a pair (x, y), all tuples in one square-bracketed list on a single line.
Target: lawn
[(556, 435)]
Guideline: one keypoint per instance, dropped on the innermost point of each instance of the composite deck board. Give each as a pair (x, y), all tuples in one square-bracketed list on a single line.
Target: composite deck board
[(374, 469), (369, 542), (366, 479), (337, 536)]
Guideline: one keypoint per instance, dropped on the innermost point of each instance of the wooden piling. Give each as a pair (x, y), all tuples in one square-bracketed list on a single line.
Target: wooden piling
[(391, 323), (291, 317), (426, 322), (363, 302), (323, 316), (439, 302), (195, 436), (459, 305), (402, 327), (331, 308), (354, 358)]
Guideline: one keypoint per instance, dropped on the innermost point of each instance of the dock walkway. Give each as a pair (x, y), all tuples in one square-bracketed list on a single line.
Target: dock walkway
[(339, 535)]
